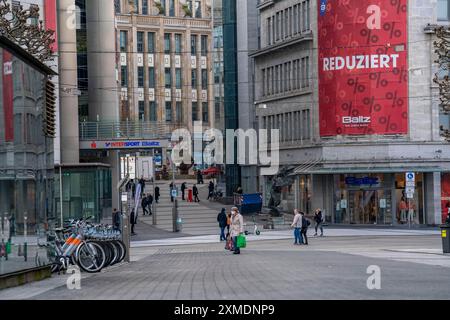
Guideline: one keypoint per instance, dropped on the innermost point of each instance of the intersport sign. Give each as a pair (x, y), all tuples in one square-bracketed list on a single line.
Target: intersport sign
[(363, 67)]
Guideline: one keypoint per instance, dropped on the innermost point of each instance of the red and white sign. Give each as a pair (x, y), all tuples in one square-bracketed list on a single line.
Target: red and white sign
[(363, 67)]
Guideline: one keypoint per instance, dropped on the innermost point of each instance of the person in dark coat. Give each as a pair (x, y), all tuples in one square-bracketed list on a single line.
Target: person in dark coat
[(171, 187), (132, 222), (116, 219), (142, 183), (157, 195), (144, 205), (222, 220), (195, 193), (210, 190), (199, 177), (183, 190), (304, 230), (150, 203)]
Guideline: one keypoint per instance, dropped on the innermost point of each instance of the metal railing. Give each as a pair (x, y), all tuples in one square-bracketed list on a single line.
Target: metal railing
[(125, 130)]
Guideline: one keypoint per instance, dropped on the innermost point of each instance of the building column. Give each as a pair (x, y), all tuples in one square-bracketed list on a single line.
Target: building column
[(68, 80), (114, 161), (433, 208)]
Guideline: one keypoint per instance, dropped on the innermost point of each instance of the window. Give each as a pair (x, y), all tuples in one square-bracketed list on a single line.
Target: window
[(286, 23), (168, 111), (172, 8), (144, 6), (204, 45), (140, 77), (295, 19), (124, 76), (136, 6), (193, 45), (194, 111), (204, 79), (179, 109), (168, 78), (167, 43), (151, 42), (140, 42), (263, 78), (198, 9), (123, 41), (177, 43), (141, 110), (269, 30), (178, 78), (194, 78), (217, 107), (151, 77), (117, 6), (153, 111), (443, 10), (34, 21), (205, 112)]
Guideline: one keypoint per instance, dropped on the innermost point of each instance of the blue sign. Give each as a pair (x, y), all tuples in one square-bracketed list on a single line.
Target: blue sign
[(323, 7), (353, 181)]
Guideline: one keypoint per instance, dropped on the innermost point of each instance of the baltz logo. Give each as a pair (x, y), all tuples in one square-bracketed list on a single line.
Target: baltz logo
[(356, 120), (323, 7)]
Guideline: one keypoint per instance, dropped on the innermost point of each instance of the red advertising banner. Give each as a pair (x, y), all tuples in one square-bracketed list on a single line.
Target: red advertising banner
[(8, 94), (50, 20), (445, 195), (363, 67)]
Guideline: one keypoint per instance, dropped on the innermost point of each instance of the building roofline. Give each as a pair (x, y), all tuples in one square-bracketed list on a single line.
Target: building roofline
[(18, 51)]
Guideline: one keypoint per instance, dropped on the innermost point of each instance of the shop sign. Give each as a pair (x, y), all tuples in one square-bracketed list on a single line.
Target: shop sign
[(363, 67), (383, 203), (353, 181)]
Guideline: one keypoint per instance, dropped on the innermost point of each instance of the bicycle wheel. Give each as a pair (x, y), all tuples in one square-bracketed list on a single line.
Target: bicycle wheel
[(123, 250), (90, 257)]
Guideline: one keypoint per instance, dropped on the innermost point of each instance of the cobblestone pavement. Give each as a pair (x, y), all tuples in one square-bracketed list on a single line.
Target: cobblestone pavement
[(329, 268)]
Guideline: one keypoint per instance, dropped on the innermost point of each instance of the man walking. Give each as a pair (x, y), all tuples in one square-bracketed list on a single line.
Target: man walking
[(222, 219), (144, 204), (157, 195), (297, 225), (318, 218), (305, 225), (150, 203), (195, 193), (210, 190), (133, 222), (183, 190)]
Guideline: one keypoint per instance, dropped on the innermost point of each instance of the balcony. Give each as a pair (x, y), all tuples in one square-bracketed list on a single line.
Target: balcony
[(157, 21), (127, 130)]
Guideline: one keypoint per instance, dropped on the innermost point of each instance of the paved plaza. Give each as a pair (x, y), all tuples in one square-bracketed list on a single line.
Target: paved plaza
[(334, 267)]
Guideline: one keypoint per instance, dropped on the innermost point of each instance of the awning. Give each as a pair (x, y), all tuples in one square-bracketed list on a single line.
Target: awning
[(306, 167), (319, 169)]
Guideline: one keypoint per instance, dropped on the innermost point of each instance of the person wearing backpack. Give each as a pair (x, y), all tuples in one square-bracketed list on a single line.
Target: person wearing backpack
[(318, 218), (297, 225), (305, 224), (222, 220)]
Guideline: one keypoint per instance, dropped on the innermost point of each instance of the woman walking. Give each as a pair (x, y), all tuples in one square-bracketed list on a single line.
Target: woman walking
[(318, 218), (237, 227)]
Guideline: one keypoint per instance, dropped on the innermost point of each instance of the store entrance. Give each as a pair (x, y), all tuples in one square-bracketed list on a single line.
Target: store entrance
[(369, 207)]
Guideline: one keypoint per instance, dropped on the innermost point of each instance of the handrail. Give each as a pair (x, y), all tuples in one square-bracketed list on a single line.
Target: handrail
[(125, 130)]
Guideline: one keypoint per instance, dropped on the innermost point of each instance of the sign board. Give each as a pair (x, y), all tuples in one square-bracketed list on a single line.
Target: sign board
[(122, 144), (383, 203), (363, 67), (343, 204), (410, 189), (410, 177), (410, 195)]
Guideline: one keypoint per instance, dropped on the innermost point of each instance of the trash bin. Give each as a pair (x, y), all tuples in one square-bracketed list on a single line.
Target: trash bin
[(445, 234)]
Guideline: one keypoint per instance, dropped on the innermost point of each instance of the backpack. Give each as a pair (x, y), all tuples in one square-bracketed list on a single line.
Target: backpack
[(305, 222)]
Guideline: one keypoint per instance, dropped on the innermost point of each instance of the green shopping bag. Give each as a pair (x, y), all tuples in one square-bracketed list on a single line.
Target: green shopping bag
[(241, 241)]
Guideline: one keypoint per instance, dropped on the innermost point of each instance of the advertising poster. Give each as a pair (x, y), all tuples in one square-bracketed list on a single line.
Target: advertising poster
[(445, 195), (363, 69)]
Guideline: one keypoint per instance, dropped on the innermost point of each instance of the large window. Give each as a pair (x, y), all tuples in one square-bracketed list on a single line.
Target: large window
[(198, 9), (177, 43), (151, 42), (136, 6), (204, 45), (124, 76), (141, 110), (167, 43), (205, 114), (168, 78), (179, 108), (117, 6), (168, 111), (151, 77), (194, 78), (194, 111), (153, 111), (140, 42), (443, 10), (193, 45), (172, 8), (123, 41), (144, 6), (178, 82), (204, 79), (140, 77)]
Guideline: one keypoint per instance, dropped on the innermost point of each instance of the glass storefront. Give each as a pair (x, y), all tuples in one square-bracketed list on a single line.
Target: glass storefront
[(86, 192), (376, 199), (26, 167)]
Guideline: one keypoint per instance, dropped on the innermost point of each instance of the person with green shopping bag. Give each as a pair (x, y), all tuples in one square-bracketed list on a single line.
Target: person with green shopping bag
[(236, 229)]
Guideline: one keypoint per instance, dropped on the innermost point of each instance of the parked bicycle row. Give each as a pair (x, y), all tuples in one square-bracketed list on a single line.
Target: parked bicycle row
[(90, 246)]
